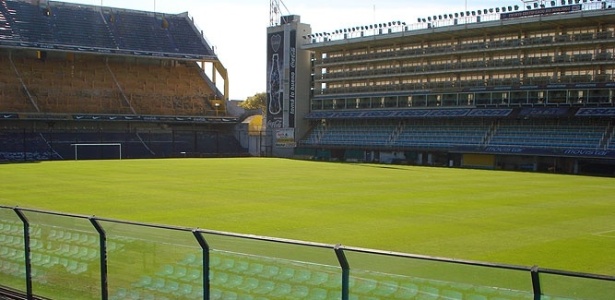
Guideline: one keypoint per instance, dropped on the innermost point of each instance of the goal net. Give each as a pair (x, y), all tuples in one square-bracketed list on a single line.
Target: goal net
[(104, 150)]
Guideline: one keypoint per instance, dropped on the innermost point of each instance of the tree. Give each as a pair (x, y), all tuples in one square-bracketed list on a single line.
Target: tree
[(255, 102)]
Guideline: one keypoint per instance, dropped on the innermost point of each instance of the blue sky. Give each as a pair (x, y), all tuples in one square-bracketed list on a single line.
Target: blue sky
[(237, 28)]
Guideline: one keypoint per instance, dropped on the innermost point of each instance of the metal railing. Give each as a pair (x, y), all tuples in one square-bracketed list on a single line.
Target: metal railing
[(65, 256)]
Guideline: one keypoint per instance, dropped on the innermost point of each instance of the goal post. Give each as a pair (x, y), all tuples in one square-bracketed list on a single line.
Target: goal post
[(118, 145)]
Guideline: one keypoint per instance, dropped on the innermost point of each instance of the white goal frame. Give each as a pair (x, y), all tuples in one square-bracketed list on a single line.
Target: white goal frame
[(76, 146)]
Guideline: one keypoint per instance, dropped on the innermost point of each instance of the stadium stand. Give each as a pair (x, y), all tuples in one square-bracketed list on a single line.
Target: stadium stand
[(442, 134), (64, 24), (85, 73), (161, 262), (496, 82), (238, 276), (73, 250)]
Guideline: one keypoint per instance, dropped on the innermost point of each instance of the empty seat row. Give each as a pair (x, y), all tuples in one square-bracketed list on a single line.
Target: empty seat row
[(88, 239), (446, 134)]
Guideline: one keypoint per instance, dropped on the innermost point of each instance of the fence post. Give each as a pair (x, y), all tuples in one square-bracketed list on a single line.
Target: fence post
[(104, 286), (536, 283), (28, 261), (205, 248), (341, 257)]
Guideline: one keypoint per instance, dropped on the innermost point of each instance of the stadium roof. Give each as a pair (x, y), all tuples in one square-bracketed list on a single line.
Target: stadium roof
[(88, 28), (491, 24)]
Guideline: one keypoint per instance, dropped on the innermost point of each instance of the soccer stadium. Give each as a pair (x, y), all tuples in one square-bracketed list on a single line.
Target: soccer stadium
[(459, 137)]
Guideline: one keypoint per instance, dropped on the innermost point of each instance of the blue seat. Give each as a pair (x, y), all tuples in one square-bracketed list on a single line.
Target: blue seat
[(143, 282), (386, 288), (363, 286), (282, 290), (166, 271), (300, 291), (265, 287)]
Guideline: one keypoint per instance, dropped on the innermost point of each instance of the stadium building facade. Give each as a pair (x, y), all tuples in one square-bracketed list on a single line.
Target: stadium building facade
[(520, 88)]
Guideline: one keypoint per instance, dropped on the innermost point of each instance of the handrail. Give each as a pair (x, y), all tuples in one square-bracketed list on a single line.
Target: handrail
[(145, 145), (23, 84), (119, 87)]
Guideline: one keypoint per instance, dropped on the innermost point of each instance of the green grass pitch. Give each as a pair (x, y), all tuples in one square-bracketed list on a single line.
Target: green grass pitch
[(554, 221)]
